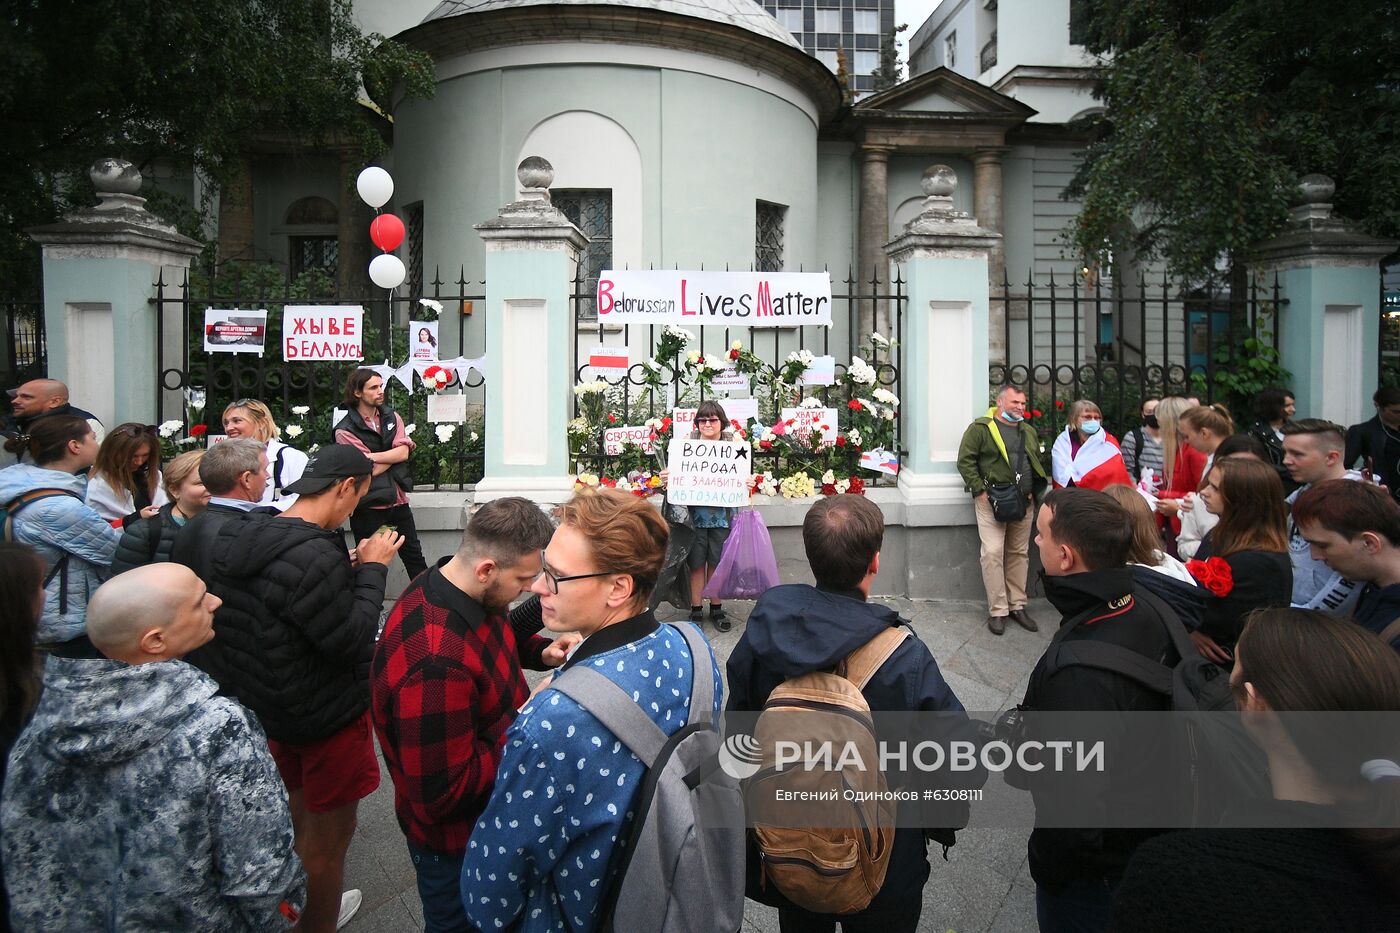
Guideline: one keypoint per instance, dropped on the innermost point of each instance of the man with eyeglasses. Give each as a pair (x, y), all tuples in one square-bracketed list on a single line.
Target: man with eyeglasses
[(543, 848), (446, 682)]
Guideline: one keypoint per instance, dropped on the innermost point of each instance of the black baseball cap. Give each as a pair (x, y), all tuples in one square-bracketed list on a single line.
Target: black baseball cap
[(328, 466)]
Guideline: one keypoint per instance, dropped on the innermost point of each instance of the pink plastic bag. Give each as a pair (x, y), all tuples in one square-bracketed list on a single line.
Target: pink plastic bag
[(747, 568)]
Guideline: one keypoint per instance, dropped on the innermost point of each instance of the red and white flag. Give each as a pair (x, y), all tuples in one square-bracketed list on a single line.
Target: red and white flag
[(1098, 463)]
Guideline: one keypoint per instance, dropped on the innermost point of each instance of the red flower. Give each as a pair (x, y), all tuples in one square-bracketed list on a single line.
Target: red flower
[(612, 419), (665, 424), (604, 481), (700, 361), (857, 486), (854, 404), (840, 441), (199, 430), (766, 445), (1059, 403), (1214, 574), (828, 489), (733, 354), (1035, 412)]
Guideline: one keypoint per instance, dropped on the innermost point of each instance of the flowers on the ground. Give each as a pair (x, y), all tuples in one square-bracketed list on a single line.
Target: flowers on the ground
[(763, 484), (797, 486), (444, 432), (294, 431)]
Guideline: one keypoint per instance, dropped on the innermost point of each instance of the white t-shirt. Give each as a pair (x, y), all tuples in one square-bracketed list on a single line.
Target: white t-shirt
[(293, 463), (113, 504)]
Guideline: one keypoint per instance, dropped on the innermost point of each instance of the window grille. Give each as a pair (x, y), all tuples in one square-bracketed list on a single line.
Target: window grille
[(768, 236), (591, 211)]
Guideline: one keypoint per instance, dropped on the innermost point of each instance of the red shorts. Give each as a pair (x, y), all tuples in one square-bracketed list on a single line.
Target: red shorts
[(334, 772)]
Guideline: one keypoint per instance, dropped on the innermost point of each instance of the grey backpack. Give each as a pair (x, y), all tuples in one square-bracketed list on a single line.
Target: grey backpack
[(681, 869)]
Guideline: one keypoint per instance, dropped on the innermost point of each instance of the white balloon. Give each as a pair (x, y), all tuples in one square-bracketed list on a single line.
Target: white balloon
[(375, 186), (387, 271)]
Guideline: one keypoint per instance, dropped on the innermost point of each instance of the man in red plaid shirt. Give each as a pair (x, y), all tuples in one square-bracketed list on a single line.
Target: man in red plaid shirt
[(447, 682)]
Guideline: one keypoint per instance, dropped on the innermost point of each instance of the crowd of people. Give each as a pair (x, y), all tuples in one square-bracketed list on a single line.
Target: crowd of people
[(195, 669)]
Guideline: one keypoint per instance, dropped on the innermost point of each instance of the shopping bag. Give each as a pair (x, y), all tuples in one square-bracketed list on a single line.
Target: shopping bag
[(747, 568)]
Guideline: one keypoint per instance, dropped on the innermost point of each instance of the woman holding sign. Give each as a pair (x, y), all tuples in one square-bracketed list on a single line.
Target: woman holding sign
[(711, 523)]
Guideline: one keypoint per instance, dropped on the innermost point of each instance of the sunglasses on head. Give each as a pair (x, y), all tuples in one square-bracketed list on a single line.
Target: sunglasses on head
[(137, 430)]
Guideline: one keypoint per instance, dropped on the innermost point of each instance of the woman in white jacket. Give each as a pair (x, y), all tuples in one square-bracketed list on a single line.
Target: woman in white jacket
[(125, 484), (250, 418)]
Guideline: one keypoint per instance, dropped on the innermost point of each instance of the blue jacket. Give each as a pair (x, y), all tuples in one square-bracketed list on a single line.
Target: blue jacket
[(795, 629), (55, 527), (540, 857)]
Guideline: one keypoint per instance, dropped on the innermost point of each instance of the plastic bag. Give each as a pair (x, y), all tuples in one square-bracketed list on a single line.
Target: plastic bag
[(748, 567), (673, 585)]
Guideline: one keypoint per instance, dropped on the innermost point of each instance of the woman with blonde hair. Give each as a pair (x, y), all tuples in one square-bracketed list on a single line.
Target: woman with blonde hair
[(250, 418), (149, 541), (124, 485), (1182, 465), (1084, 454)]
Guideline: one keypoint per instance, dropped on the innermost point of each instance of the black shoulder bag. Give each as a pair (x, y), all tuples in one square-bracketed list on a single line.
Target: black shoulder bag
[(1006, 499)]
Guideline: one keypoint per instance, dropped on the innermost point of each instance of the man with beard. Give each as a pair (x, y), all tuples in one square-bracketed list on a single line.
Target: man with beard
[(447, 683)]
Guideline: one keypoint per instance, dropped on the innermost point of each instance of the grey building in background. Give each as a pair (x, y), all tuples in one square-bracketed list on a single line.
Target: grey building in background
[(824, 26)]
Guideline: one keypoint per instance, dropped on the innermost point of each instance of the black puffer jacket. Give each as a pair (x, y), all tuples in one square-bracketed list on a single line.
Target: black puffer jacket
[(294, 638), (134, 549)]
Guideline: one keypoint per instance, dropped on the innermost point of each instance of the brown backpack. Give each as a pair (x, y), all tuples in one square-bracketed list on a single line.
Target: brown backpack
[(837, 868)]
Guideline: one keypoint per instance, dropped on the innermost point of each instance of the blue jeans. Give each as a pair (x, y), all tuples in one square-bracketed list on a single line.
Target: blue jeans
[(440, 890), (1078, 907)]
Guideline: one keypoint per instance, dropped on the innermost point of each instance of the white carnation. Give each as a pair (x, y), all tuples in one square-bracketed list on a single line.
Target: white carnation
[(444, 432), (294, 431), (410, 429), (842, 486), (170, 428), (811, 401), (828, 477), (301, 410)]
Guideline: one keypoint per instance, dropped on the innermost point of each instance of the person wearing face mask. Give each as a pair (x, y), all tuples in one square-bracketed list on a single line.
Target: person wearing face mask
[(1142, 448), (1086, 455), (1000, 454)]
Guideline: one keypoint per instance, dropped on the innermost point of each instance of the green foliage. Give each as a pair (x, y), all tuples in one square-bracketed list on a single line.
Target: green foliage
[(1213, 113), (183, 80), (1246, 365), (891, 71)]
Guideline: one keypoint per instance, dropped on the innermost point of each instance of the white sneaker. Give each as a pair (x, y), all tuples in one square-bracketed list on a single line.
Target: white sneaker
[(349, 906)]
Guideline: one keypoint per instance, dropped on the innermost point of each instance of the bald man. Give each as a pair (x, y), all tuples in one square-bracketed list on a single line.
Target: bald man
[(138, 799), (40, 398)]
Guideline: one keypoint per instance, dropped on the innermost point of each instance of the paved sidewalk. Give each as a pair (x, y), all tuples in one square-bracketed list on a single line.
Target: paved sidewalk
[(984, 887)]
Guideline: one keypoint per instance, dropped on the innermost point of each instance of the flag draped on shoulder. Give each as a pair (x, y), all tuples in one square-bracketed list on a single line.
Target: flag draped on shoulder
[(1098, 463)]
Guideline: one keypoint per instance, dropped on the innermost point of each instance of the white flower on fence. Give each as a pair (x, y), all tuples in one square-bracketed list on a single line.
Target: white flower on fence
[(860, 372), (169, 429), (186, 441), (301, 411), (693, 357), (651, 364), (812, 401), (435, 306), (886, 396), (878, 339), (680, 333), (853, 436), (591, 388), (444, 432), (804, 357), (409, 429), (294, 431), (737, 345), (474, 437)]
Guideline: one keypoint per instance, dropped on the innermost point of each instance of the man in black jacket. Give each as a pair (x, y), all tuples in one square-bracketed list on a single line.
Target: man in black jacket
[(1084, 539), (795, 629), (41, 398), (235, 474), (295, 639), (1376, 443)]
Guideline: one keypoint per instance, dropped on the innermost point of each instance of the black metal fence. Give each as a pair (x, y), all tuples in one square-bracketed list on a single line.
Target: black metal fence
[(1120, 345), (26, 350), (226, 377), (771, 345)]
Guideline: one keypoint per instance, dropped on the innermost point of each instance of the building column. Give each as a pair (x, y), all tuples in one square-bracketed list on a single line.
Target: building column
[(987, 204), (874, 231), (236, 214), (532, 254)]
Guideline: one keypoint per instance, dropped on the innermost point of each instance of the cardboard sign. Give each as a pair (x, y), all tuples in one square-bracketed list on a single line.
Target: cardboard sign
[(750, 299), (447, 409), (822, 372), (234, 331), (815, 422), (608, 362), (714, 473), (322, 332), (423, 340), (742, 410), (615, 438)]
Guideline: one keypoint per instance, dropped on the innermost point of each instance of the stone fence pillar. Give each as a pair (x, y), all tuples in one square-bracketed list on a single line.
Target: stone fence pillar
[(1328, 332), (100, 267), (943, 377), (532, 252)]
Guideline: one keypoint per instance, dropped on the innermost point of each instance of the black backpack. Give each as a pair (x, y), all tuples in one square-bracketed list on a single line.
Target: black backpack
[(7, 533), (1220, 763)]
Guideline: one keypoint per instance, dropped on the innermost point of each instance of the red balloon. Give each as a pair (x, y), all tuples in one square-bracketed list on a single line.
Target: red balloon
[(387, 232)]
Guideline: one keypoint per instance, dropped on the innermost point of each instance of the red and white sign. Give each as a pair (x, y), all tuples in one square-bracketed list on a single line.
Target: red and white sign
[(815, 422), (608, 361), (315, 333), (615, 438), (742, 410)]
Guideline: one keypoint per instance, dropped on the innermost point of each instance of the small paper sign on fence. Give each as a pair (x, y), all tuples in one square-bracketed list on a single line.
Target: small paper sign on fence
[(730, 379), (822, 372), (813, 422), (236, 331), (423, 340), (322, 332), (447, 409), (714, 473), (880, 460), (615, 438), (608, 362)]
